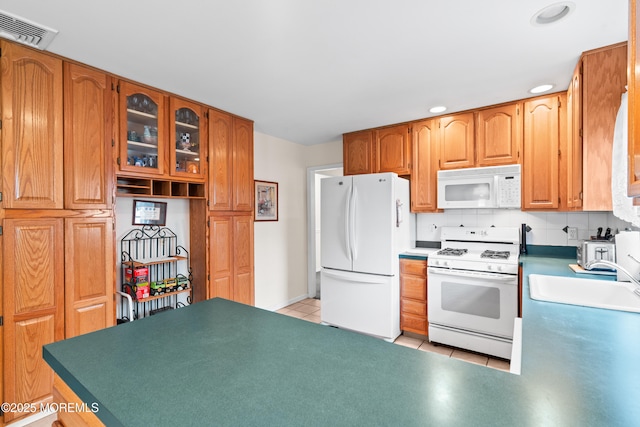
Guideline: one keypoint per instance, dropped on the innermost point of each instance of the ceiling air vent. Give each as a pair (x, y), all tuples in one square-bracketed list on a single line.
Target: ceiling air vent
[(24, 31)]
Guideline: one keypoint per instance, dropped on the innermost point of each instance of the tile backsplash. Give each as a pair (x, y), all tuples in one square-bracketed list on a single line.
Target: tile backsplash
[(546, 227)]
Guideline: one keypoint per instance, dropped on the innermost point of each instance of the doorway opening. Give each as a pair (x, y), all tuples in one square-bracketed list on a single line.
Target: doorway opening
[(315, 174)]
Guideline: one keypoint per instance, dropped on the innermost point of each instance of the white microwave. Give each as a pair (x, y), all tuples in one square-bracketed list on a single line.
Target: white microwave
[(485, 187)]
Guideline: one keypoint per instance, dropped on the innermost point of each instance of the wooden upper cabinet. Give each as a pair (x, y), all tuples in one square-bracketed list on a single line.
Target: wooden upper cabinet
[(571, 156), (88, 136), (187, 139), (33, 307), (633, 80), (357, 150), (541, 152), (603, 83), (457, 141), (499, 135), (89, 275), (393, 149), (425, 166), (242, 165), (230, 162), (32, 129), (220, 158), (142, 130)]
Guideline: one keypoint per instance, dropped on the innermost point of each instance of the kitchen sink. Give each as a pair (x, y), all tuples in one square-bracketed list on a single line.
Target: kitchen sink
[(585, 292)]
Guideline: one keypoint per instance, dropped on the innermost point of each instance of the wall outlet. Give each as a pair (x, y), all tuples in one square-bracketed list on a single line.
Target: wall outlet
[(572, 233)]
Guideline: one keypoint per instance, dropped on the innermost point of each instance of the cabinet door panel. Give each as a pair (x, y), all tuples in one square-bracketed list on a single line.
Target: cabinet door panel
[(87, 138), (541, 145), (499, 135), (142, 130), (221, 248), (187, 139), (220, 150), (33, 311), (457, 141), (243, 260), (393, 147), (32, 129), (357, 151), (242, 165), (424, 172), (89, 275)]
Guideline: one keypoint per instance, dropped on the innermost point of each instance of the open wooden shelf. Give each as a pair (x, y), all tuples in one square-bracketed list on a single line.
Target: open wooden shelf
[(134, 186)]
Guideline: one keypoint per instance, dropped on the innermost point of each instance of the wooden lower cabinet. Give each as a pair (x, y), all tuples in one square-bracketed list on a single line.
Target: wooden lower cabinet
[(33, 308), (58, 283), (89, 275), (64, 396), (231, 258), (413, 296)]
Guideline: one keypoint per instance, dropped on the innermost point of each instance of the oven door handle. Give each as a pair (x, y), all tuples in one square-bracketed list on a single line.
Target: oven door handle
[(473, 274)]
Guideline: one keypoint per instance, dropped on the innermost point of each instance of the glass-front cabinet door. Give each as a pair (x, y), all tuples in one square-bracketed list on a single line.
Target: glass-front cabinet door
[(142, 131), (186, 149)]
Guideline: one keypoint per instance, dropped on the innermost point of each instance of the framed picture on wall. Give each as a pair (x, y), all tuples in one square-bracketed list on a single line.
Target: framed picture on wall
[(149, 213), (266, 202)]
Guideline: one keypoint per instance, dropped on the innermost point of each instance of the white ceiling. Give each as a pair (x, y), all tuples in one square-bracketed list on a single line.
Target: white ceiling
[(308, 71)]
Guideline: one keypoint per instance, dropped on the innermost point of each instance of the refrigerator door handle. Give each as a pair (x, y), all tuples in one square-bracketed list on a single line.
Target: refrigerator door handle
[(352, 224), (356, 278), (347, 225)]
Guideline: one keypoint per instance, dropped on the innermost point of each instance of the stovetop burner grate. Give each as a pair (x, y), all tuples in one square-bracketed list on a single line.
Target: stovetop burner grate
[(452, 252), (495, 254)]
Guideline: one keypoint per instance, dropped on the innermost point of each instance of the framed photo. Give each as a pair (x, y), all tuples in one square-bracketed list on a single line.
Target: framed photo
[(149, 213), (266, 203)]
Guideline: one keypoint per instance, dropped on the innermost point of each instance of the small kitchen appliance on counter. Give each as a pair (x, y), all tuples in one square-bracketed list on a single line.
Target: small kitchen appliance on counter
[(593, 250), (473, 289)]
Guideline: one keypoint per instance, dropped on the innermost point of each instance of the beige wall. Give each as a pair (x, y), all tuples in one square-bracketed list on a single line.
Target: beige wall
[(281, 247)]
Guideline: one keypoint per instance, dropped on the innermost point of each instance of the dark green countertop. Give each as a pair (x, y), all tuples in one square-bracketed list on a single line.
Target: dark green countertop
[(221, 363)]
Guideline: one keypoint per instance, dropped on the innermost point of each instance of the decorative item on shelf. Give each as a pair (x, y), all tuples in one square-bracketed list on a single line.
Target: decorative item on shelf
[(266, 201), (193, 167), (149, 213), (184, 143), (147, 135)]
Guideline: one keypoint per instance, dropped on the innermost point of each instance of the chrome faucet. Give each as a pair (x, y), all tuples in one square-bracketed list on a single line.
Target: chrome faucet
[(604, 263)]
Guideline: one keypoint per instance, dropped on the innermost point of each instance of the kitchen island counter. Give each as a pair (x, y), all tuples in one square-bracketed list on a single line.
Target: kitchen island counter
[(219, 362)]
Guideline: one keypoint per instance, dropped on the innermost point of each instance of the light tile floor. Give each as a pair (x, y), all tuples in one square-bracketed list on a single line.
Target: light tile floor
[(309, 309)]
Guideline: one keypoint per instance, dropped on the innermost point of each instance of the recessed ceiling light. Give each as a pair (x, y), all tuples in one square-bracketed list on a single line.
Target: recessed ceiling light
[(552, 13), (438, 109), (541, 88)]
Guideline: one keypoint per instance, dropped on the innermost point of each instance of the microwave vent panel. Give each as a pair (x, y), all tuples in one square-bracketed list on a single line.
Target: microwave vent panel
[(23, 31)]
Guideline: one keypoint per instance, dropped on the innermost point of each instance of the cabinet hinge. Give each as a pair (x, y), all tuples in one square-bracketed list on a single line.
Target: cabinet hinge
[(0, 230), (559, 154), (206, 114), (559, 103), (208, 221), (118, 88), (118, 161), (581, 195), (113, 142), (0, 196), (0, 124), (580, 133), (0, 52), (113, 86), (1, 320)]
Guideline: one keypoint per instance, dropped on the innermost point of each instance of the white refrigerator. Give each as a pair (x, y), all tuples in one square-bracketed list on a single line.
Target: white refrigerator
[(364, 227)]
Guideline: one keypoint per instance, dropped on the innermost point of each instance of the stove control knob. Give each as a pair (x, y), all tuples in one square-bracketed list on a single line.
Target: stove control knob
[(435, 262), (445, 263), (499, 268), (489, 267)]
